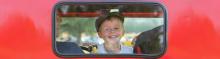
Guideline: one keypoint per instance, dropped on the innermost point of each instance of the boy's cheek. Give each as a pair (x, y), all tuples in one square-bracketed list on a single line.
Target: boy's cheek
[(120, 33), (101, 35)]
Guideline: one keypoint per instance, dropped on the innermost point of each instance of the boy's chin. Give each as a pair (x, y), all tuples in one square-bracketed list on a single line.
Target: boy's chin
[(114, 40)]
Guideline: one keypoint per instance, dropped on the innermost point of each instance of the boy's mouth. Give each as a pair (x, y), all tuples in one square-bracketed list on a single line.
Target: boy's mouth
[(113, 37)]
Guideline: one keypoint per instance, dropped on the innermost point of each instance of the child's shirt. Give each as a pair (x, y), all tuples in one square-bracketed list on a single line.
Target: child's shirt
[(124, 49)]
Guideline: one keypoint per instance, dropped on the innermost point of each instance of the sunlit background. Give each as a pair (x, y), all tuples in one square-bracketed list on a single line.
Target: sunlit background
[(82, 30)]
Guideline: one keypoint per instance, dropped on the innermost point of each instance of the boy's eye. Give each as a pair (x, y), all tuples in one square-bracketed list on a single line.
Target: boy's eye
[(108, 30), (116, 28), (111, 29)]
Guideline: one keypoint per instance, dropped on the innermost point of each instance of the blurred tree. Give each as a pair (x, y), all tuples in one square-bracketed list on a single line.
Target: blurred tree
[(77, 26), (140, 24)]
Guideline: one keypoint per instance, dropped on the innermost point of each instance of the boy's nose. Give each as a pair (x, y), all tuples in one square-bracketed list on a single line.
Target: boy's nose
[(112, 31)]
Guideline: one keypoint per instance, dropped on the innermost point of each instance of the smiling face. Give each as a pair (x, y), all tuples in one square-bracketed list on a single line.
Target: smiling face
[(111, 30)]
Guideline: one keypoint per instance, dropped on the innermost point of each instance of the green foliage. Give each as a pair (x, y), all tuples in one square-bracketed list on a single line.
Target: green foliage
[(141, 24), (76, 26)]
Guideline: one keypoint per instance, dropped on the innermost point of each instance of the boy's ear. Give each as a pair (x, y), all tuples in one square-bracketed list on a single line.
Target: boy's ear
[(100, 34)]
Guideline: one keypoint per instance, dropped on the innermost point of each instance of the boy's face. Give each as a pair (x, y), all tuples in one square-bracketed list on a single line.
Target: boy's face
[(111, 30)]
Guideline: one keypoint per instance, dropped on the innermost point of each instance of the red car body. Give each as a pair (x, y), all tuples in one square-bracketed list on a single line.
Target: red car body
[(193, 29)]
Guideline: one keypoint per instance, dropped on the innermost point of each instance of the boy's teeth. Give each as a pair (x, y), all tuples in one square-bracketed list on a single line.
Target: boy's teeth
[(113, 36)]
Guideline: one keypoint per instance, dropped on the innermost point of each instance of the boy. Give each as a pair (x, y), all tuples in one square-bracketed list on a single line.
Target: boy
[(110, 28)]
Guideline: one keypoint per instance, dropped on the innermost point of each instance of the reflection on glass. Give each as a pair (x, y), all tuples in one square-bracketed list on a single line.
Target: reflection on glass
[(141, 32)]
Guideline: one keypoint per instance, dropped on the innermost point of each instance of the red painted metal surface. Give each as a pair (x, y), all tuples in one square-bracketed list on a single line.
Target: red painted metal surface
[(193, 29), (128, 14)]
